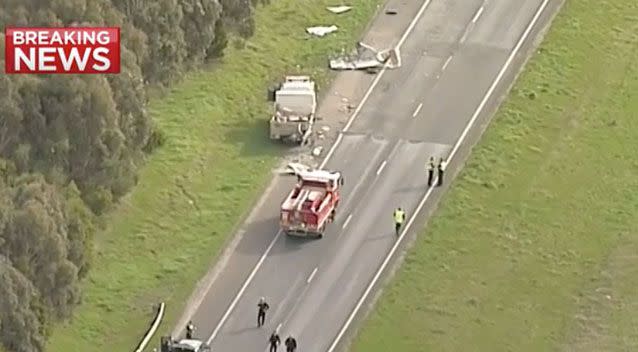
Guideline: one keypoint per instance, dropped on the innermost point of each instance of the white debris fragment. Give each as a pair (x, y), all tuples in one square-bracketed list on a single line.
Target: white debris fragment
[(295, 168), (321, 31), (325, 128), (317, 151), (367, 58), (339, 9)]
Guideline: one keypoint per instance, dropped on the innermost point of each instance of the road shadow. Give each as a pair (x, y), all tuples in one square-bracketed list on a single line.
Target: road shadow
[(415, 189), (243, 330), (384, 236), (259, 235)]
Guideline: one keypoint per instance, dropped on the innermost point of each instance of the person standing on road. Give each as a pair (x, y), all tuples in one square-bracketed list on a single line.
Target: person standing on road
[(190, 328), (442, 165), (262, 307), (274, 341), (430, 167), (399, 218), (291, 344)]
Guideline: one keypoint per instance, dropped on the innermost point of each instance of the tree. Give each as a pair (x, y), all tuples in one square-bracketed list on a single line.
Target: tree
[(216, 49), (238, 16), (160, 21), (10, 115), (198, 24), (36, 239), (21, 318)]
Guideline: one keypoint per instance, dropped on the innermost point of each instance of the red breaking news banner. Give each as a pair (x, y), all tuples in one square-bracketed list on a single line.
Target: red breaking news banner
[(84, 50)]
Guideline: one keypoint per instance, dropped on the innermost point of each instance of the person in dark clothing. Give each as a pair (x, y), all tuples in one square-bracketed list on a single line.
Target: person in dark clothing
[(262, 307), (430, 168), (274, 341), (291, 344), (442, 165), (190, 328)]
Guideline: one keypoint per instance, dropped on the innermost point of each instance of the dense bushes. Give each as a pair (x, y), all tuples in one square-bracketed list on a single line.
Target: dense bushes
[(70, 146)]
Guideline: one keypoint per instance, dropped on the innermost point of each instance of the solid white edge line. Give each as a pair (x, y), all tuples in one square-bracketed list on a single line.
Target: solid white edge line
[(447, 62), (478, 111), (478, 14), (312, 275), (466, 33), (347, 221), (381, 167), (417, 110), (243, 288), (325, 160)]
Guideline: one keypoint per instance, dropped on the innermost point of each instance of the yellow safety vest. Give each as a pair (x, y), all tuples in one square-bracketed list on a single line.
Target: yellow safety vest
[(398, 216)]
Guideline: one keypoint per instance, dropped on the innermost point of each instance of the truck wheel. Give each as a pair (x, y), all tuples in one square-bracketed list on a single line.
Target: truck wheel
[(320, 235)]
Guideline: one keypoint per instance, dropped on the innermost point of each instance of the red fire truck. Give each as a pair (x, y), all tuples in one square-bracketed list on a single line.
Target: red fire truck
[(312, 203)]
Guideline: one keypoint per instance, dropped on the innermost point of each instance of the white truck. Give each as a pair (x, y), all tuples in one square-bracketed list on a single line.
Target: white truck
[(295, 104)]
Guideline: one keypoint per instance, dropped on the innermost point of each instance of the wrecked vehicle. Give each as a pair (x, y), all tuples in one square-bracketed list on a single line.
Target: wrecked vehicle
[(368, 58), (295, 104)]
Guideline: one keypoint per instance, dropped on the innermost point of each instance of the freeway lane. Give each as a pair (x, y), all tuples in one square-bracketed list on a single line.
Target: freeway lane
[(447, 92)]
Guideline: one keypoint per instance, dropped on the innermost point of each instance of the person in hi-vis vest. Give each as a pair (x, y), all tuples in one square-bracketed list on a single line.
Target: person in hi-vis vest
[(399, 218)]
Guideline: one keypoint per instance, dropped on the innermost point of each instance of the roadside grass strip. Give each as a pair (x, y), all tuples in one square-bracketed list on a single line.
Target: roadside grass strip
[(535, 247)]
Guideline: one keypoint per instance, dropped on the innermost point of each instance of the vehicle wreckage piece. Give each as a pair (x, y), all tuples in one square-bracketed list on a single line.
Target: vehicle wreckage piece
[(368, 58)]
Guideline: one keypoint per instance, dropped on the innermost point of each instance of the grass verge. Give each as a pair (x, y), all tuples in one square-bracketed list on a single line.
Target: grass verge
[(194, 190), (534, 247)]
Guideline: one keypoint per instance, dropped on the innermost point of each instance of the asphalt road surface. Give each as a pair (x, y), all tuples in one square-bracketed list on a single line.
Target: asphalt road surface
[(458, 54)]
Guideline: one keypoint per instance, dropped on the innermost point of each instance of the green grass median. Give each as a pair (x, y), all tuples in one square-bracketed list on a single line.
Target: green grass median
[(535, 246), (194, 190)]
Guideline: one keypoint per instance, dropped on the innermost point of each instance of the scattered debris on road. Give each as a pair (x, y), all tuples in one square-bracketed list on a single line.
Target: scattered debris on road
[(339, 9), (367, 58), (317, 151), (322, 133), (321, 31)]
